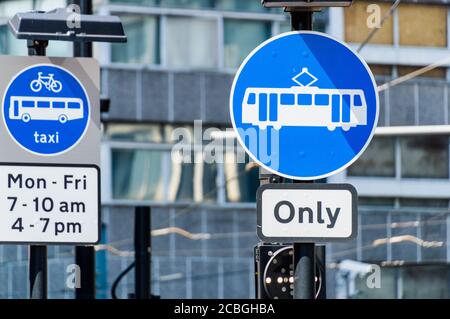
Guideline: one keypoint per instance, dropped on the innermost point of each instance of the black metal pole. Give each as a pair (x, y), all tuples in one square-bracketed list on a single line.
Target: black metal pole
[(142, 245), (83, 49), (301, 20), (85, 255), (304, 253), (37, 253), (304, 275), (321, 266)]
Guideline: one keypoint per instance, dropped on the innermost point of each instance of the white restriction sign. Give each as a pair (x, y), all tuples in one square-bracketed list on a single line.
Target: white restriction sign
[(59, 207), (306, 212)]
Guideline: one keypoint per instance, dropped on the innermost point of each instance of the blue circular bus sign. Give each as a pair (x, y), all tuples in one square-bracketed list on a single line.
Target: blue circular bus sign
[(46, 110), (304, 105)]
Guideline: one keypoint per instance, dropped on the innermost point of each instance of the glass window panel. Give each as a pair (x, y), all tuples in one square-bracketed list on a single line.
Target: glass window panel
[(192, 4), (439, 73), (422, 25), (386, 291), (241, 37), (285, 26), (424, 202), (137, 174), (377, 160), (404, 224), (209, 186), (242, 179), (240, 5), (356, 28), (9, 44), (143, 41), (373, 227), (381, 69), (376, 201), (146, 2), (3, 39), (182, 182), (193, 179), (434, 232), (191, 42), (424, 156), (135, 132), (425, 281)]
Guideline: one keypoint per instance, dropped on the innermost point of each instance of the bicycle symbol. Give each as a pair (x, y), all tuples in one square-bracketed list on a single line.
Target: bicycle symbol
[(48, 82)]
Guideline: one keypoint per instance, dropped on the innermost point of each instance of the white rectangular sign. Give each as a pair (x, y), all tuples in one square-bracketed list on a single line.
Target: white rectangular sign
[(306, 212), (51, 204)]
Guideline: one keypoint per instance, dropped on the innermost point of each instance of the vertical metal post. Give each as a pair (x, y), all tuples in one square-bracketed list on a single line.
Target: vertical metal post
[(85, 255), (301, 20), (37, 253), (142, 246), (304, 253), (83, 49), (304, 271), (321, 266)]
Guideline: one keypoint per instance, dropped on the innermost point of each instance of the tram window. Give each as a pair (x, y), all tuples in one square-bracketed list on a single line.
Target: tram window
[(357, 100), (27, 103), (322, 99), (304, 99), (43, 104), (287, 99), (251, 98)]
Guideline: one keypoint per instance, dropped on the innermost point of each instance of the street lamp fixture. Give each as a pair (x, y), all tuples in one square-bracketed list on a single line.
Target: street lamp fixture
[(64, 25), (306, 3)]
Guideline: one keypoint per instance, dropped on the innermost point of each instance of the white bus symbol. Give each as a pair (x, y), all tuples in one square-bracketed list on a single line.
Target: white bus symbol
[(29, 108), (304, 106)]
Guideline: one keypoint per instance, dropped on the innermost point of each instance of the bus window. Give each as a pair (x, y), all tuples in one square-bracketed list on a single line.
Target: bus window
[(304, 99), (59, 105), (43, 104), (74, 105), (16, 108), (322, 99), (287, 99), (27, 103), (357, 100), (251, 98)]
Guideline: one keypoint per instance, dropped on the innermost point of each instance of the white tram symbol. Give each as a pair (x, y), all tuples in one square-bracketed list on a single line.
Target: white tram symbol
[(304, 105)]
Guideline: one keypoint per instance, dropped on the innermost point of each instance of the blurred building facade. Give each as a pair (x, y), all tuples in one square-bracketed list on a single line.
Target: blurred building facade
[(176, 68)]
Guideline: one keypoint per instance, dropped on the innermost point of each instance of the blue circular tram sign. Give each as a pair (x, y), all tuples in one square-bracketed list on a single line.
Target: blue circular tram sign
[(46, 110), (304, 105)]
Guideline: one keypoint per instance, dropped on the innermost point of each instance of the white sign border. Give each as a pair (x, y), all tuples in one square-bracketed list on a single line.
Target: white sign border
[(306, 186), (98, 211), (301, 178)]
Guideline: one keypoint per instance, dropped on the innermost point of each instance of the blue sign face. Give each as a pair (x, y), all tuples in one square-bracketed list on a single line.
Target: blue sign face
[(304, 105), (46, 110)]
